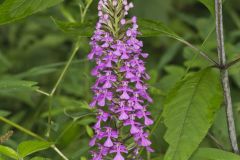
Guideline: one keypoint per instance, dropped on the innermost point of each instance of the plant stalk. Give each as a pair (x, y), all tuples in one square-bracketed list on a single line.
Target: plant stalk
[(225, 76)]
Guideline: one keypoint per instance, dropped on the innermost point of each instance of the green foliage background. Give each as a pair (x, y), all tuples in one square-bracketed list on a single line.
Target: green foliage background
[(34, 50)]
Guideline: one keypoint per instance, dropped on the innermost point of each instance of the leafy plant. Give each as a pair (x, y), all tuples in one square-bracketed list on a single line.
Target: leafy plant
[(45, 78)]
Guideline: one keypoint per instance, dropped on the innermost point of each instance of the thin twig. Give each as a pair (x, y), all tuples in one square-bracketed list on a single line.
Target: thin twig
[(225, 76), (75, 49), (42, 92), (63, 73), (230, 64), (220, 146), (59, 152)]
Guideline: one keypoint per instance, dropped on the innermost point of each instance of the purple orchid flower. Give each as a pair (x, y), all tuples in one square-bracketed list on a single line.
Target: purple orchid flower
[(120, 91)]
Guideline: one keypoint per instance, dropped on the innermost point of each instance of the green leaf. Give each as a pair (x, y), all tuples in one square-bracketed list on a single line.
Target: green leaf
[(28, 147), (89, 130), (189, 112), (7, 85), (76, 28), (12, 10), (209, 4), (9, 152), (213, 154), (150, 28)]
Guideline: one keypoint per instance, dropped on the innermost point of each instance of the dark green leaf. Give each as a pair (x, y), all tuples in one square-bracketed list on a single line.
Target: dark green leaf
[(213, 154), (28, 147), (9, 152), (150, 28), (189, 112), (12, 10)]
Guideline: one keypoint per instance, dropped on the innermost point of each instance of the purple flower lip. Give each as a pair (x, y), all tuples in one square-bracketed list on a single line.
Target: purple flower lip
[(120, 91)]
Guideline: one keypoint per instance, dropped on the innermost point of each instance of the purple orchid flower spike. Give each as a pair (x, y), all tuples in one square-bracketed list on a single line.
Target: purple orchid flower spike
[(120, 91)]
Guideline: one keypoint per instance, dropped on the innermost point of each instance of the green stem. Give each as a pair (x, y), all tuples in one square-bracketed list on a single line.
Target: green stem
[(49, 116), (155, 125), (59, 152), (83, 15), (64, 71), (42, 92), (75, 49), (152, 130), (21, 128)]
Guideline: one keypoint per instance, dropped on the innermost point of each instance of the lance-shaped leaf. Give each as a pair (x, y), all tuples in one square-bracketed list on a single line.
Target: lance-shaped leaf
[(189, 112)]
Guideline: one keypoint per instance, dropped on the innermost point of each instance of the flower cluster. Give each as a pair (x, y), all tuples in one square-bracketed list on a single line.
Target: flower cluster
[(120, 94)]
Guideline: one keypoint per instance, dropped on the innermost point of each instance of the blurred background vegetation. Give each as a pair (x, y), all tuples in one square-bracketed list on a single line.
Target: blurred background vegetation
[(35, 49)]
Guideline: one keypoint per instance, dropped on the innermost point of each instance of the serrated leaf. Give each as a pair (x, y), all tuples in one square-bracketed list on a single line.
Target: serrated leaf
[(76, 28), (213, 154), (28, 147), (7, 85), (12, 10), (9, 152), (189, 112)]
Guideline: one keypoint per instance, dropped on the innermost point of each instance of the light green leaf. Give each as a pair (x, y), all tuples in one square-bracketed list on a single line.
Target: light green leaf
[(213, 154), (89, 130), (189, 112), (9, 152), (209, 4), (28, 147), (7, 85), (12, 10)]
